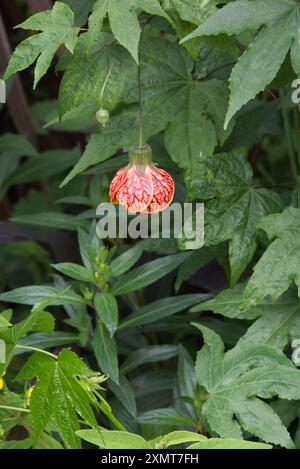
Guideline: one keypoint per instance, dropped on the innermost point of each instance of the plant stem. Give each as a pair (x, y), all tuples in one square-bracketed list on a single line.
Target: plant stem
[(141, 138), (289, 140), (109, 414), (34, 349), (17, 409)]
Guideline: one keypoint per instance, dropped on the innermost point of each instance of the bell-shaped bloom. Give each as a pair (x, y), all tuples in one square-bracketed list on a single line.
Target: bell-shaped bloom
[(141, 186)]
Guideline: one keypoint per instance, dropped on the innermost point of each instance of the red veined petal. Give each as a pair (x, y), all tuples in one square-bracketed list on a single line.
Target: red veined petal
[(137, 191), (163, 190), (117, 182)]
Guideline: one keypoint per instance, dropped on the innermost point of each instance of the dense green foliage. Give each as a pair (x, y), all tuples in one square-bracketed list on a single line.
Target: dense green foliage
[(144, 343)]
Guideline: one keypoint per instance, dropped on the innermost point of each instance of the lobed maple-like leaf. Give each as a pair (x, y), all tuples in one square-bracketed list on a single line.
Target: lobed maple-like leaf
[(261, 61), (232, 205), (275, 323), (58, 394), (237, 381), (124, 22), (279, 267), (56, 28)]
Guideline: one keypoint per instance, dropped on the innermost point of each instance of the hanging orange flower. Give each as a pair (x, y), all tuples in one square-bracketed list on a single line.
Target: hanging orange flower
[(141, 186)]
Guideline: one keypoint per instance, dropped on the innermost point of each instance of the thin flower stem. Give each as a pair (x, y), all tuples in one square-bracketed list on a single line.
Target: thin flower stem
[(34, 349), (141, 137), (17, 409), (106, 80), (109, 414)]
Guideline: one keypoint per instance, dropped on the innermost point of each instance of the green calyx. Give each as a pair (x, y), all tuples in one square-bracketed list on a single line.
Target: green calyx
[(140, 155)]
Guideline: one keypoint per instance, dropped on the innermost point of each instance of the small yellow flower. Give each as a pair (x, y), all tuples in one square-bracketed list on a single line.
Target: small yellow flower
[(2, 381), (29, 392)]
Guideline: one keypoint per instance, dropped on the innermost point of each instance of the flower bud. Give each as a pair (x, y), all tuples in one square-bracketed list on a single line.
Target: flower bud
[(102, 117)]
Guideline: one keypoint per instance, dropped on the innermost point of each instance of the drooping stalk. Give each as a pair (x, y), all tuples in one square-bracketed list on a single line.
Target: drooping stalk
[(106, 81), (141, 137)]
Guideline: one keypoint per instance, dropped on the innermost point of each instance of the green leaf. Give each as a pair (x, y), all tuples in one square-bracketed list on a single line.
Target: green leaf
[(125, 25), (179, 437), (107, 68), (260, 63), (54, 220), (263, 57), (2, 351), (279, 265), (38, 293), (113, 439), (34, 321), (295, 53), (125, 261), (160, 309), (166, 416), (14, 145), (242, 15), (153, 382), (192, 10), (96, 21), (120, 132), (165, 80), (84, 241), (151, 6), (186, 379), (228, 443), (16, 444), (147, 274), (81, 8), (123, 21), (107, 311), (232, 380), (6, 314), (166, 77), (45, 341), (44, 323), (57, 28), (38, 319), (198, 127), (279, 323), (227, 303), (150, 354), (4, 323), (232, 206), (253, 122), (106, 352), (78, 272), (124, 393), (58, 394), (45, 165)]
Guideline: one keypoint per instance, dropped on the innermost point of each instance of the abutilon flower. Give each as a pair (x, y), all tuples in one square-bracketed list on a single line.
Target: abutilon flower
[(141, 186)]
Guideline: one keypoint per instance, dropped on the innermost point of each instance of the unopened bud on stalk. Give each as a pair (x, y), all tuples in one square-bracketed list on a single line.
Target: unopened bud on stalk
[(102, 116)]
